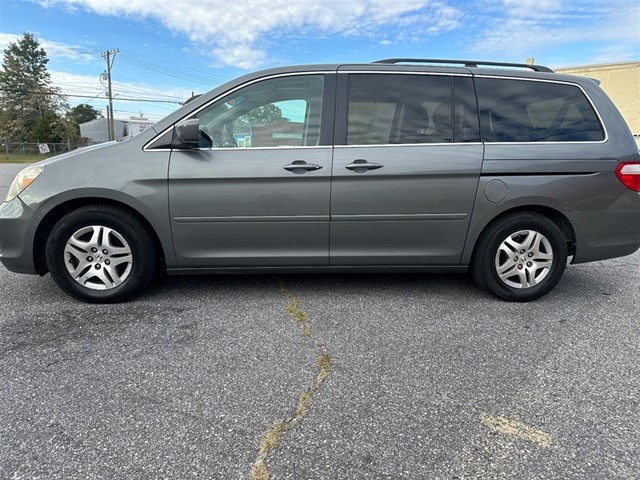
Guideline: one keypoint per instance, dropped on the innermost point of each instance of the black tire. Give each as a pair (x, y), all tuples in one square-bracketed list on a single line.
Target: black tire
[(101, 254), (529, 272)]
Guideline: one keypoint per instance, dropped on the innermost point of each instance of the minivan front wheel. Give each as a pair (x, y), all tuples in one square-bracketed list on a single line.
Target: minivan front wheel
[(100, 254), (520, 257)]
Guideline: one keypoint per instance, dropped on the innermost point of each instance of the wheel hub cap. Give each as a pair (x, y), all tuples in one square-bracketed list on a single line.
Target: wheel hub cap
[(98, 257), (524, 259)]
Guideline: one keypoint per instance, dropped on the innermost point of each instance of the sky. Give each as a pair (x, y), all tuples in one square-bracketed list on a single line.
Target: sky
[(168, 49)]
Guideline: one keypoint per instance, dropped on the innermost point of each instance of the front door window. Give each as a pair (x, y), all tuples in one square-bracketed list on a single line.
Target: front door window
[(280, 112)]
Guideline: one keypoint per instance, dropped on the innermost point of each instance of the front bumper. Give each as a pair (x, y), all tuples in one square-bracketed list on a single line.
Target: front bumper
[(18, 224)]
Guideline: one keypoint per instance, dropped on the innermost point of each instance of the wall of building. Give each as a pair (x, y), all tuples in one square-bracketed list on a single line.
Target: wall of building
[(621, 81), (97, 131)]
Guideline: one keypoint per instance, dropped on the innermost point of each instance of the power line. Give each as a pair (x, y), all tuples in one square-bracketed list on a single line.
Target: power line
[(145, 92), (171, 69), (196, 73), (151, 100)]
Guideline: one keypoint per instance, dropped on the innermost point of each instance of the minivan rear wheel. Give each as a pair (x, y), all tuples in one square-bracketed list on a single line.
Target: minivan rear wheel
[(100, 254), (520, 257)]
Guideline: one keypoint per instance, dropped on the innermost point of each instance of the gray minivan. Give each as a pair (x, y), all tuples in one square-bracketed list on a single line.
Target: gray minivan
[(405, 165)]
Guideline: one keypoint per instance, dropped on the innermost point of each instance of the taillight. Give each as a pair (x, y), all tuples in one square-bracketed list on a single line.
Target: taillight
[(629, 175)]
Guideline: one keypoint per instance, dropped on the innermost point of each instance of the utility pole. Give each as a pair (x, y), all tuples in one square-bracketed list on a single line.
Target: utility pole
[(108, 123), (110, 56)]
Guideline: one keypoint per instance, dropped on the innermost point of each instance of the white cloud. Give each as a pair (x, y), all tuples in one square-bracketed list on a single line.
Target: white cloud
[(53, 49), (91, 85), (237, 30), (67, 81), (611, 55), (520, 26), (75, 52), (6, 39), (532, 8)]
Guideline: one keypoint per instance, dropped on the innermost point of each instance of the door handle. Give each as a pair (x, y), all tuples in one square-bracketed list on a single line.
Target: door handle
[(361, 166), (300, 166)]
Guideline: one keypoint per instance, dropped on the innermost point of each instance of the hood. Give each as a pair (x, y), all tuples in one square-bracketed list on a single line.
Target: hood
[(141, 138), (77, 151)]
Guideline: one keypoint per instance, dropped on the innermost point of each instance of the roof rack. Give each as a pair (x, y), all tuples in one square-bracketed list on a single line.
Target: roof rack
[(467, 63)]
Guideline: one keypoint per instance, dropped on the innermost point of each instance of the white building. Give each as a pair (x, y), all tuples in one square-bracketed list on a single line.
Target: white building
[(97, 131)]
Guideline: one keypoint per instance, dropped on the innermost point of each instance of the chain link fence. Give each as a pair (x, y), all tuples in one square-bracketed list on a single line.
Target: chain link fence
[(24, 151)]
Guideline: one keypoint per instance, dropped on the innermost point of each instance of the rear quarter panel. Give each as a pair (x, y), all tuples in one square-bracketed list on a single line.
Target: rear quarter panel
[(577, 180)]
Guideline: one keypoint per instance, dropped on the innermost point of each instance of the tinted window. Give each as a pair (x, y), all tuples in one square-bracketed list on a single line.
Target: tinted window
[(392, 108), (278, 112), (528, 111)]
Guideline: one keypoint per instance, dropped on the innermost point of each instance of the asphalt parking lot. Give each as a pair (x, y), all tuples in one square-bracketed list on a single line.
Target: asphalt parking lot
[(349, 376)]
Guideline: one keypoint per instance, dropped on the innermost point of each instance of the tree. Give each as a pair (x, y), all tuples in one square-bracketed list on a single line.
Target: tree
[(264, 114), (81, 114), (27, 95), (52, 128)]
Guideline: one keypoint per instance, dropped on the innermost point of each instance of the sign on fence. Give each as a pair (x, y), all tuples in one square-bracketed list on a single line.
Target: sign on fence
[(43, 147)]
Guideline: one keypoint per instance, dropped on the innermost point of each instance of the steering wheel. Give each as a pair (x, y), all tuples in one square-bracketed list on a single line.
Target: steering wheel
[(228, 140)]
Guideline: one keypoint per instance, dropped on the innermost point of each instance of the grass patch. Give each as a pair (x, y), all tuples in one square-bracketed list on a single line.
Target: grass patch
[(294, 310), (324, 362), (303, 403), (259, 471), (13, 158), (272, 438)]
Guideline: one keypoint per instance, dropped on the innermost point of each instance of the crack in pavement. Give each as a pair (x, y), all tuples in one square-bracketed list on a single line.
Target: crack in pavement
[(271, 439)]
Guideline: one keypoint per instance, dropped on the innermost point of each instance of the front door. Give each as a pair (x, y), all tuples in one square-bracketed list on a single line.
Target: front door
[(256, 191)]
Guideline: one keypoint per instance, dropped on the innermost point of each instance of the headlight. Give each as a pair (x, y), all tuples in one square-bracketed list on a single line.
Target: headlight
[(22, 181)]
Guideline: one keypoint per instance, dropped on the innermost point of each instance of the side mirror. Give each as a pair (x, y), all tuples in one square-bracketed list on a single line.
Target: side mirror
[(188, 133)]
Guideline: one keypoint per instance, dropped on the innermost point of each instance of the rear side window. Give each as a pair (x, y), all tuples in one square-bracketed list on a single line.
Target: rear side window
[(399, 109), (530, 111)]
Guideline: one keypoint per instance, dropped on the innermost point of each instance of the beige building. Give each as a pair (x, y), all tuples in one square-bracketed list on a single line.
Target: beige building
[(621, 81)]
